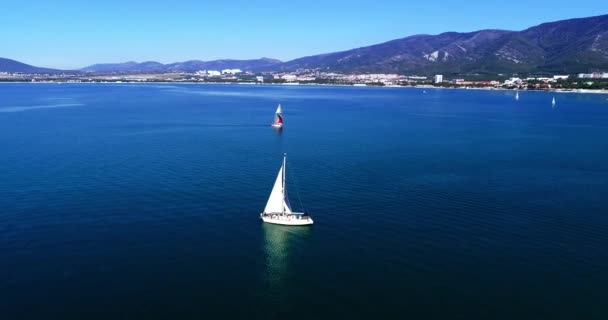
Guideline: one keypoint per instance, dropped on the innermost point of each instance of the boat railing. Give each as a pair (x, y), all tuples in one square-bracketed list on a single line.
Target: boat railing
[(295, 216)]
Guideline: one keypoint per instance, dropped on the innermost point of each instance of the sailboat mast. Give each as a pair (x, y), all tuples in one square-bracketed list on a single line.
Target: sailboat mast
[(284, 168)]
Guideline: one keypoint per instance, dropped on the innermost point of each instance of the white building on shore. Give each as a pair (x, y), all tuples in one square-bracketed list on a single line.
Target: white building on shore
[(514, 81), (438, 78), (231, 71), (289, 77), (594, 75)]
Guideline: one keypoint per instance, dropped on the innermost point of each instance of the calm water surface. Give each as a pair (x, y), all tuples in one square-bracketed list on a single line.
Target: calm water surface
[(142, 201)]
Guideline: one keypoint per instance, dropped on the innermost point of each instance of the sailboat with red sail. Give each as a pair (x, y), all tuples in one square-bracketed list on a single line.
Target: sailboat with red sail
[(278, 117)]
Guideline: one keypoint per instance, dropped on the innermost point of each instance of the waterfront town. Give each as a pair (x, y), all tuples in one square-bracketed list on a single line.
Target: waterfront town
[(595, 80)]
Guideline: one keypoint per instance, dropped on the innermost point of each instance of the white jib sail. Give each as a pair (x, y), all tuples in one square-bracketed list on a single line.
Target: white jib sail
[(286, 205)]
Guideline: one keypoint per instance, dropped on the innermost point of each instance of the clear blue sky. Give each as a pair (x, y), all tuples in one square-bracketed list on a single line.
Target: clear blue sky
[(76, 33)]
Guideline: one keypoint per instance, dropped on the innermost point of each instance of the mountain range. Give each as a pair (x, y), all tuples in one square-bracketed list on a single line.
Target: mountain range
[(8, 65), (567, 46), (575, 45), (187, 66)]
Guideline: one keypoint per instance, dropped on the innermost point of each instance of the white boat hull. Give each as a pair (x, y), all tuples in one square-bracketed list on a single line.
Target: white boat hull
[(277, 125), (287, 220)]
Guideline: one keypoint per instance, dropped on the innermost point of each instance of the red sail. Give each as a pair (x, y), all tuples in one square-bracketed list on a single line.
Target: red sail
[(279, 119)]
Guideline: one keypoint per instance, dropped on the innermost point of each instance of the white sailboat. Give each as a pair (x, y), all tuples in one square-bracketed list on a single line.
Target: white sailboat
[(517, 96), (278, 117), (553, 102), (278, 210)]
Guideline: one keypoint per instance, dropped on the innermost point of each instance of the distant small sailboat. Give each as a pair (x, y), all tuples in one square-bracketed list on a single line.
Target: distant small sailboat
[(517, 96), (553, 102), (278, 210), (278, 117)]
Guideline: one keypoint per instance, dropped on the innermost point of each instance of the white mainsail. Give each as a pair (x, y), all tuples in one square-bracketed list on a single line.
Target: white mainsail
[(278, 202), (517, 95), (553, 102), (279, 109)]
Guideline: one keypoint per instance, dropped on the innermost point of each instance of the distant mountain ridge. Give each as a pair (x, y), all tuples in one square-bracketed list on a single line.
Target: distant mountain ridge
[(574, 45), (567, 46), (131, 66), (186, 66), (8, 65)]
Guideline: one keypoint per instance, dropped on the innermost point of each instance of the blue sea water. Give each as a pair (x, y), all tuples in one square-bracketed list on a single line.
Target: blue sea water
[(125, 201)]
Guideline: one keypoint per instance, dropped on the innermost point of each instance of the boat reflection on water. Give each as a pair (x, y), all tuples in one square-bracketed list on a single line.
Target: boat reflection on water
[(281, 244)]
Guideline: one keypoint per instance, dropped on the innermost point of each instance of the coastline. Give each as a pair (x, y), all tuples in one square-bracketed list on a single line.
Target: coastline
[(584, 91)]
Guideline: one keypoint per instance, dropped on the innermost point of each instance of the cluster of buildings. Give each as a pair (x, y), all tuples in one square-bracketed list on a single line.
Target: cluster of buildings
[(515, 81), (386, 79), (216, 73), (594, 75), (400, 80), (481, 83), (321, 77), (20, 76), (287, 77)]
